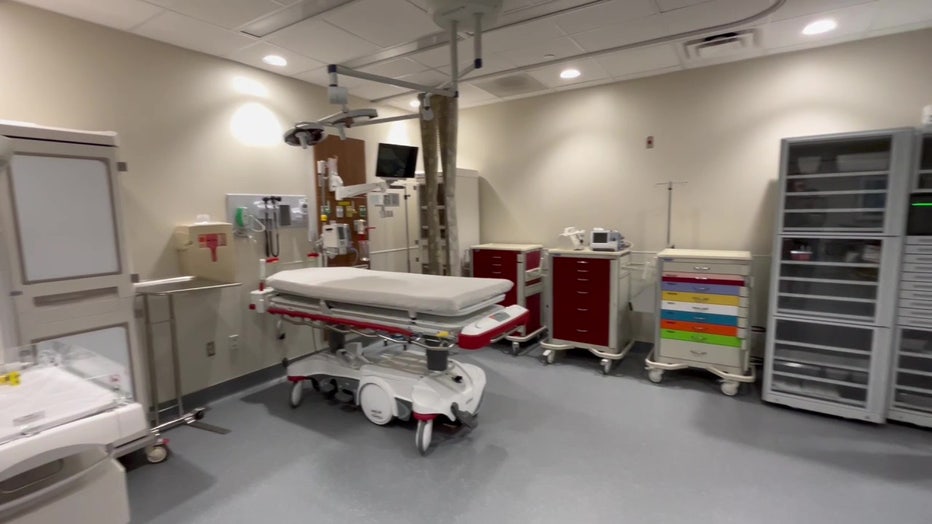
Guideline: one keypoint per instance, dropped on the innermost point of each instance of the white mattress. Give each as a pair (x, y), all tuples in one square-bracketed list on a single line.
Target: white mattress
[(433, 294)]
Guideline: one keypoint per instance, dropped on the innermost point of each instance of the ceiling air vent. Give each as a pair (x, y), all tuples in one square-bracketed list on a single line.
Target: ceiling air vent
[(511, 85), (722, 45)]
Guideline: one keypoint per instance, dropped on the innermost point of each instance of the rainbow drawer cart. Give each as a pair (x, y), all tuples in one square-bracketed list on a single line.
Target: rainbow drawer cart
[(703, 318)]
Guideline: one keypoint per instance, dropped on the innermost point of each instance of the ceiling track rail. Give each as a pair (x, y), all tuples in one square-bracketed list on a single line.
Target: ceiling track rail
[(777, 4)]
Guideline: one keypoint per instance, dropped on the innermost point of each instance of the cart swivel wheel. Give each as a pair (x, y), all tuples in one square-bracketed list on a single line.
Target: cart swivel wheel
[(606, 366), (297, 394), (515, 349), (655, 375), (157, 453), (730, 388), (425, 431)]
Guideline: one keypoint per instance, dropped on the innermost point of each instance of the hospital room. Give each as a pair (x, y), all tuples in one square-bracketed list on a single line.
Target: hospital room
[(467, 261)]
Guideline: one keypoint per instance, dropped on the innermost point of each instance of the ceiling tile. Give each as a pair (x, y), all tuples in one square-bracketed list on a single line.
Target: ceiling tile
[(225, 13), (653, 72), (427, 78), (797, 8), (559, 48), (623, 63), (604, 14), (670, 5), (383, 22), (322, 78), (550, 75), (629, 32), (373, 90), (852, 22), (395, 68), (519, 36), (187, 32), (711, 13), (321, 41), (120, 14), (440, 56), (253, 55), (470, 94), (895, 13)]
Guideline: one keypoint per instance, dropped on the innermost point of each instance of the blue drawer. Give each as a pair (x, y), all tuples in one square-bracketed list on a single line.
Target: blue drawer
[(701, 288), (683, 316)]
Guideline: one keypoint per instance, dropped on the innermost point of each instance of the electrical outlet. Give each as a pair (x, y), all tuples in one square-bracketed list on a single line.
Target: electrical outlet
[(233, 342), (211, 349)]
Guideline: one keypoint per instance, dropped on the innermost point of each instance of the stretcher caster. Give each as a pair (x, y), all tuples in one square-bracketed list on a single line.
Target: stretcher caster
[(606, 366), (157, 453), (376, 404), (297, 394), (655, 375), (548, 356), (515, 349), (425, 430), (730, 387)]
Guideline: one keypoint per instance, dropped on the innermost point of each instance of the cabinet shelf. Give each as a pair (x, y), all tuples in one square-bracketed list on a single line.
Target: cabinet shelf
[(915, 355), (802, 313), (825, 362), (830, 281), (826, 297), (821, 379), (837, 174), (837, 193), (837, 210), (914, 372), (825, 348), (832, 264), (913, 389)]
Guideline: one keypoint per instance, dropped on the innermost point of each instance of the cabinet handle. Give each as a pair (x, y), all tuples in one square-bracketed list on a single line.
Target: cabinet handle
[(582, 261), (702, 288), (583, 292), (582, 330), (699, 318), (700, 328), (497, 265), (697, 308), (699, 353), (702, 299), (582, 280), (582, 270), (582, 310), (701, 268), (497, 257)]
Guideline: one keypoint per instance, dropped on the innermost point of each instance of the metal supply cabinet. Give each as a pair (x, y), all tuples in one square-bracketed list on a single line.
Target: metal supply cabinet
[(588, 293), (835, 260), (911, 395), (703, 318), (521, 264)]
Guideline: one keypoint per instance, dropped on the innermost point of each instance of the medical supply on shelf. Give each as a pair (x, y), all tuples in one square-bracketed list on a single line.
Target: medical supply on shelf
[(606, 240), (587, 304), (336, 239), (429, 312), (206, 250), (702, 318), (577, 237), (520, 264), (12, 378)]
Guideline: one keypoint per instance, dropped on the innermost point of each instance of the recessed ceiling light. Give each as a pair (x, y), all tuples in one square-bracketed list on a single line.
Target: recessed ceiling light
[(820, 26), (415, 103), (275, 60), (567, 74)]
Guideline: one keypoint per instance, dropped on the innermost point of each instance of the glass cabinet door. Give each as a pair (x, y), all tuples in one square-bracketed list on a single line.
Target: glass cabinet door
[(924, 182), (837, 185), (829, 277)]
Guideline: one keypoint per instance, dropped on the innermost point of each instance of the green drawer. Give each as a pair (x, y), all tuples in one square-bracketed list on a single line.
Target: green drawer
[(688, 336)]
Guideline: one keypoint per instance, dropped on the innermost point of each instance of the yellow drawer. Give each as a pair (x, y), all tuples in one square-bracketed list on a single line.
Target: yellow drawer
[(704, 298)]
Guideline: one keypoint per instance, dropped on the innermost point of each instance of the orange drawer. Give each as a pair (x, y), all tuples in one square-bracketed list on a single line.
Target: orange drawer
[(696, 327)]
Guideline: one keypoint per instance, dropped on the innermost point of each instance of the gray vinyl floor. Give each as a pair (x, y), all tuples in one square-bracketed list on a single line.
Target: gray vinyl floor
[(555, 444)]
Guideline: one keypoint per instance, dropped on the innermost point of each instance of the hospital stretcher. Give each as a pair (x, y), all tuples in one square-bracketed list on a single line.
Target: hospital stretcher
[(415, 320)]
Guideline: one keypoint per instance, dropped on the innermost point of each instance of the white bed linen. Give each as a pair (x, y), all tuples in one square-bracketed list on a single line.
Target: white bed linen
[(440, 295)]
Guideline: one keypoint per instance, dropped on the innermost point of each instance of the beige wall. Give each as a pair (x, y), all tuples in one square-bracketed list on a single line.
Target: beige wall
[(175, 111), (579, 157)]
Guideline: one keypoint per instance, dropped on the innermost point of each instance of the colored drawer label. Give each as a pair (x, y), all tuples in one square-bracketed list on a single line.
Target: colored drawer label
[(718, 340), (702, 298), (707, 318), (697, 327), (711, 289)]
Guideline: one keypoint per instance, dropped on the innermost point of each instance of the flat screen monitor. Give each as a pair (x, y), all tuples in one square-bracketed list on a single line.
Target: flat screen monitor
[(396, 161)]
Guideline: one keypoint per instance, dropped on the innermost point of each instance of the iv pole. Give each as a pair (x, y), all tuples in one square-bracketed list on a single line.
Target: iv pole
[(670, 185)]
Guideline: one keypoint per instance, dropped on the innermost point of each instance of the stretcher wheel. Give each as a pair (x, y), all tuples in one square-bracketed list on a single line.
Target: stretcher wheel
[(156, 453), (606, 366), (297, 394), (548, 356), (376, 404), (425, 431), (655, 375), (515, 349), (730, 387)]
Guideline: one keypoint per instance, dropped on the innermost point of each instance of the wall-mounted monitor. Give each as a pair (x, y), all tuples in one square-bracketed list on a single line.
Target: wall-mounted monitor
[(396, 161)]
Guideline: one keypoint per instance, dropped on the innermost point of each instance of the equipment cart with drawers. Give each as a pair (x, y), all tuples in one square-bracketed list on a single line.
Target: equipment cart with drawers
[(703, 321), (588, 295), (521, 264)]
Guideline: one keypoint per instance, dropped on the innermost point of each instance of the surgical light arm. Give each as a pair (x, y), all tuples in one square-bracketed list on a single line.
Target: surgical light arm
[(342, 192)]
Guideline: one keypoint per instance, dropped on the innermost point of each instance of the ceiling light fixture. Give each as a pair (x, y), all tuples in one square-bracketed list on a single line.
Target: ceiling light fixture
[(275, 60), (567, 74), (820, 26), (415, 103)]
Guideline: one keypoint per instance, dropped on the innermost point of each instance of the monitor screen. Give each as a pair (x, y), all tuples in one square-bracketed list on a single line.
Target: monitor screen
[(599, 238), (396, 161)]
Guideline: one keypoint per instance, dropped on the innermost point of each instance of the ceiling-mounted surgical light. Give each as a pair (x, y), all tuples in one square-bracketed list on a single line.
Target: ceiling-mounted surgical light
[(568, 74), (820, 26), (275, 60), (415, 103)]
